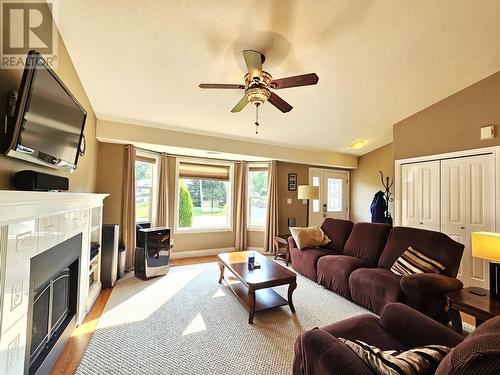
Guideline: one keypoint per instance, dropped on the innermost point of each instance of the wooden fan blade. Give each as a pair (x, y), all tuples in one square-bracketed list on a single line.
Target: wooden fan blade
[(241, 104), (221, 86), (279, 103), (295, 81), (254, 61)]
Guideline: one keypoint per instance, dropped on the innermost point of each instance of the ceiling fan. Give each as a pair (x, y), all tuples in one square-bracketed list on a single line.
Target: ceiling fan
[(258, 84)]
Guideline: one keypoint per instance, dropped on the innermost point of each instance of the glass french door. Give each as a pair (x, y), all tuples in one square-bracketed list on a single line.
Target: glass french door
[(334, 195)]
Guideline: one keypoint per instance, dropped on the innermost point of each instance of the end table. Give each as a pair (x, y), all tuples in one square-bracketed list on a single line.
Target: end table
[(281, 242), (480, 307)]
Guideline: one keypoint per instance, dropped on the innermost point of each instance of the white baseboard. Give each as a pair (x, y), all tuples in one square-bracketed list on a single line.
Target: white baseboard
[(199, 253), (207, 252)]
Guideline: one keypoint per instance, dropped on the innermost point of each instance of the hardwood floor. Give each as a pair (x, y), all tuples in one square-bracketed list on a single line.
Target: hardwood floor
[(69, 359), (73, 351)]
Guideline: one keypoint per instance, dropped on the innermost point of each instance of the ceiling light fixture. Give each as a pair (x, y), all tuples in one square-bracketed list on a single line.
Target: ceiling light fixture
[(358, 144)]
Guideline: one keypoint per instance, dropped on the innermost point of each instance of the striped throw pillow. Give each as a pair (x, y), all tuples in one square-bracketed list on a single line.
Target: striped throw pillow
[(419, 361), (413, 261)]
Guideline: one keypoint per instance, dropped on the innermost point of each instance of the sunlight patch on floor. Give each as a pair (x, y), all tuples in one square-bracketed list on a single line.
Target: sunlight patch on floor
[(196, 325), (136, 296), (219, 293)]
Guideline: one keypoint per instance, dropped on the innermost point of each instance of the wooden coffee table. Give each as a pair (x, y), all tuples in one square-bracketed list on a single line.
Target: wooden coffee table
[(254, 289)]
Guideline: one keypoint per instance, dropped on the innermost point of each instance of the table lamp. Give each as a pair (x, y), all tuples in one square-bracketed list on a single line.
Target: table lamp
[(486, 245), (307, 192)]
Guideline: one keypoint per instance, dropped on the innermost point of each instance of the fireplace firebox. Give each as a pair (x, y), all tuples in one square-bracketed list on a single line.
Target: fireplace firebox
[(53, 302)]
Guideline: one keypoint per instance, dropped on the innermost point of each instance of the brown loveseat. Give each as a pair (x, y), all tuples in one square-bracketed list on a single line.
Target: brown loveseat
[(318, 352), (357, 265)]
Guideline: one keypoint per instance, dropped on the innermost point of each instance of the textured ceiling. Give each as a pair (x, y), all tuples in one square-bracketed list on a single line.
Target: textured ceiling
[(378, 62)]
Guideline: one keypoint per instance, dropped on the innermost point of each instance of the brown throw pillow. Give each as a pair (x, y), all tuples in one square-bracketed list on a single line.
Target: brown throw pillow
[(309, 237)]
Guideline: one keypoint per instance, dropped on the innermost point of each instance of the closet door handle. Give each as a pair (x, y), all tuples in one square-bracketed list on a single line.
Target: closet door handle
[(462, 227)]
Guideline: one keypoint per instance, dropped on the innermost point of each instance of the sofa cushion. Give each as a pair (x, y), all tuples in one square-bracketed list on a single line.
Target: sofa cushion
[(436, 245), (367, 240), (334, 272), (422, 360), (479, 353), (413, 262), (375, 287), (309, 237), (305, 261), (338, 232)]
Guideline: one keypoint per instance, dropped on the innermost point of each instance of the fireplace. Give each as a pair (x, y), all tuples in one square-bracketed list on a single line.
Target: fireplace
[(53, 303)]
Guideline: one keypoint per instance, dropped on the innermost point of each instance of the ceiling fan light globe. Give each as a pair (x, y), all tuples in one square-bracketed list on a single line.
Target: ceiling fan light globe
[(257, 95)]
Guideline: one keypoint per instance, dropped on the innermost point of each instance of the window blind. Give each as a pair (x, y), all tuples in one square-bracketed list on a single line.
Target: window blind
[(263, 168), (204, 171)]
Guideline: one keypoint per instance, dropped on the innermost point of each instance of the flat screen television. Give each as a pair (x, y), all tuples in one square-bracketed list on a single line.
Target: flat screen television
[(48, 122)]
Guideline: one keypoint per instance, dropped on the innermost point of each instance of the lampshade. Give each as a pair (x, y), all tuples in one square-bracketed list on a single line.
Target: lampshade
[(486, 245), (308, 192)]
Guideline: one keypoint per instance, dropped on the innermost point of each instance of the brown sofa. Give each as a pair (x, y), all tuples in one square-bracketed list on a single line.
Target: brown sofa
[(357, 265), (318, 352)]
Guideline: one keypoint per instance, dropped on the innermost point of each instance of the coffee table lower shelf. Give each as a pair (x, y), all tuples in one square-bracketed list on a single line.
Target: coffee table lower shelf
[(265, 299)]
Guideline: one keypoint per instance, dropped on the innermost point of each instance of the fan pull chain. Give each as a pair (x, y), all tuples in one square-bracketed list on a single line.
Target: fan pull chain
[(257, 118)]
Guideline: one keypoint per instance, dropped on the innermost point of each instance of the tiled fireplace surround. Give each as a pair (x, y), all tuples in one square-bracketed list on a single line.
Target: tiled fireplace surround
[(30, 224)]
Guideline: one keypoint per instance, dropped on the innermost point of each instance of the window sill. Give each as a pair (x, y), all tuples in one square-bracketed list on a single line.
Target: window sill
[(256, 229), (204, 230)]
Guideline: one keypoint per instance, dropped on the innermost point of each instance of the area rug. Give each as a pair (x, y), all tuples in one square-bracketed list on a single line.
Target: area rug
[(187, 323)]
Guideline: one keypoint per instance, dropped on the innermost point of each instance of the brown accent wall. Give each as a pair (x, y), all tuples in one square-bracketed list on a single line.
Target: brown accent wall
[(297, 209), (452, 124), (83, 179), (365, 180)]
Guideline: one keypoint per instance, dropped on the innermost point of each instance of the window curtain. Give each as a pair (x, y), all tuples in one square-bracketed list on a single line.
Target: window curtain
[(241, 208), (162, 207), (128, 207), (272, 207)]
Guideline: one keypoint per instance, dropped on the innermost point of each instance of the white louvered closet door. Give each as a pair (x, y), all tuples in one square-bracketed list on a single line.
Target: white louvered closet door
[(468, 205), (420, 195)]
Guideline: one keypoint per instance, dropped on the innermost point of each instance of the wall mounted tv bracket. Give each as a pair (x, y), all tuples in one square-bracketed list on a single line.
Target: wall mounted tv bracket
[(11, 109)]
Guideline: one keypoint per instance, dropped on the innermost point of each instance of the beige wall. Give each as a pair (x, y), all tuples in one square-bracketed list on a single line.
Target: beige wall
[(365, 180), (83, 179), (452, 124), (110, 180)]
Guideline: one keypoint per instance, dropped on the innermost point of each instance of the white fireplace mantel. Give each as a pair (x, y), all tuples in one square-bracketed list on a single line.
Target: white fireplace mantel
[(30, 224), (19, 205)]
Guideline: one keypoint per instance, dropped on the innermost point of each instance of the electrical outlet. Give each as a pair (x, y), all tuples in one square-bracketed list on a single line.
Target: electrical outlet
[(289, 201)]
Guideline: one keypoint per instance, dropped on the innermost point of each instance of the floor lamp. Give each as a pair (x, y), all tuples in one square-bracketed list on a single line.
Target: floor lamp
[(307, 192)]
